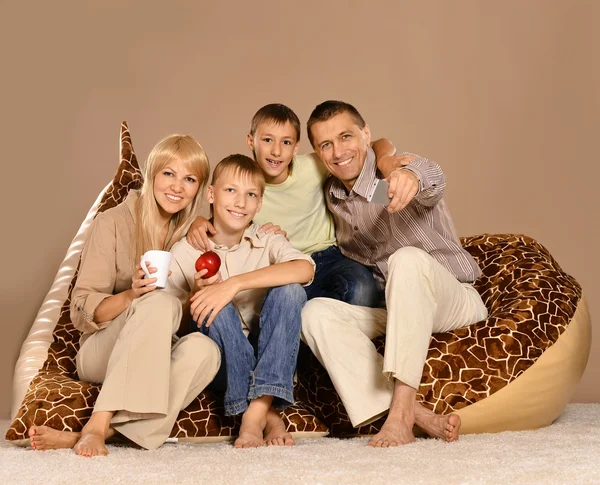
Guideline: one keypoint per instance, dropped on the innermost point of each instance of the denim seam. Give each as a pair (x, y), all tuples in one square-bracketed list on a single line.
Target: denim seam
[(235, 407), (270, 390)]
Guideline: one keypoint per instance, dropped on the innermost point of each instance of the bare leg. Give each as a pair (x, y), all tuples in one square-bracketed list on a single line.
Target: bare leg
[(444, 426), (275, 432), (254, 422), (46, 438), (94, 434), (397, 429)]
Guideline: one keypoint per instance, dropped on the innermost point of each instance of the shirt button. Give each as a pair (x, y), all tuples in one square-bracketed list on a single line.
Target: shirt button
[(356, 228)]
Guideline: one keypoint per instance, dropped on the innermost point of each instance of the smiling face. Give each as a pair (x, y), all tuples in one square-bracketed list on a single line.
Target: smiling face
[(174, 188), (235, 199), (342, 146), (274, 146)]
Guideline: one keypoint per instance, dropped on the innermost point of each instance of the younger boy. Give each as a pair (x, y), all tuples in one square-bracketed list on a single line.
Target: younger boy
[(257, 291), (294, 199)]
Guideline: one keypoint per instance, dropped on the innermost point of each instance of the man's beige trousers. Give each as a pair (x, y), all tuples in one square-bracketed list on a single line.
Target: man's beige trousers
[(145, 378), (422, 298)]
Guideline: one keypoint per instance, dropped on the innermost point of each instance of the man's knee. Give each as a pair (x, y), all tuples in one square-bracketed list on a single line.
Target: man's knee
[(315, 314), (409, 257)]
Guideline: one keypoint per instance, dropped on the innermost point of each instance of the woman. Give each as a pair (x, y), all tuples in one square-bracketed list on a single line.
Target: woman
[(128, 325)]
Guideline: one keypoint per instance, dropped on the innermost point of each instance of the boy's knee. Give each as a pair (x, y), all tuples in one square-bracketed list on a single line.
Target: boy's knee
[(292, 293), (362, 290), (226, 318)]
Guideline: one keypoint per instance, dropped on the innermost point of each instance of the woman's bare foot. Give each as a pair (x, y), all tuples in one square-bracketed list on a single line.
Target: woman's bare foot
[(91, 443), (253, 425), (275, 432), (46, 438), (94, 435), (393, 433), (443, 426)]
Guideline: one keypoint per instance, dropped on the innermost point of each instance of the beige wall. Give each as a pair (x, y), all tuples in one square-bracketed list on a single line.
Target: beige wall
[(504, 95)]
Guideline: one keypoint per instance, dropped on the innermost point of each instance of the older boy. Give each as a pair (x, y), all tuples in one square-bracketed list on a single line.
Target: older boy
[(294, 199), (257, 291)]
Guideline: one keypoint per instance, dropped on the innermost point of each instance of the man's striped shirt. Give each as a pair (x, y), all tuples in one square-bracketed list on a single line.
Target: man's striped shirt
[(369, 234)]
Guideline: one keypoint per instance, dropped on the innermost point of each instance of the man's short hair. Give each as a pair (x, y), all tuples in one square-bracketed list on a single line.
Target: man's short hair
[(329, 109), (241, 165), (278, 114)]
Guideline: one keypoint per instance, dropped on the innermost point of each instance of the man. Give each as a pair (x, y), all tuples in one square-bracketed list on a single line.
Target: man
[(413, 250)]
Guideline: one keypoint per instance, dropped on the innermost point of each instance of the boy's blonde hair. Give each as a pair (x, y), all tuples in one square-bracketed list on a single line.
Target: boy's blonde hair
[(240, 165), (174, 147)]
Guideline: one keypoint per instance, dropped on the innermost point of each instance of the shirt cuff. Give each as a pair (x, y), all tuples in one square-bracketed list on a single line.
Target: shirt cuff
[(420, 176), (311, 261), (83, 317)]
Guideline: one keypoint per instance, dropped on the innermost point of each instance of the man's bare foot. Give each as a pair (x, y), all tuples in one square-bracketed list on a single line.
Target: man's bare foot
[(275, 432), (397, 429), (393, 433), (443, 426), (46, 438)]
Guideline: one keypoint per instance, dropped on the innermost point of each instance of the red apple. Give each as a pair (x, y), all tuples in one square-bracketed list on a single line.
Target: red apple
[(210, 261)]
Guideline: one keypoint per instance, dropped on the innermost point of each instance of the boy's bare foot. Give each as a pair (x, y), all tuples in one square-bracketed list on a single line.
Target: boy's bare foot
[(254, 421), (393, 433), (443, 426), (46, 438), (275, 432)]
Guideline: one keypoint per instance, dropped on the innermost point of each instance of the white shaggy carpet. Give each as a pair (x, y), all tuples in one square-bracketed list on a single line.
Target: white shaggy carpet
[(568, 452)]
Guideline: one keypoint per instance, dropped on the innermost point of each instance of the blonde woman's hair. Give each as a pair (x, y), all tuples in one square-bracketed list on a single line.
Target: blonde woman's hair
[(174, 147)]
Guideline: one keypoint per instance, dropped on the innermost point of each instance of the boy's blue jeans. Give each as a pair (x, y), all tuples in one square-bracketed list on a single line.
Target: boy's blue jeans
[(344, 279), (269, 371)]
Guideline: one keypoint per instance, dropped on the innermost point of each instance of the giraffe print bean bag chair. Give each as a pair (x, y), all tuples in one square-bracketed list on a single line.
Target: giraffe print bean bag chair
[(517, 370)]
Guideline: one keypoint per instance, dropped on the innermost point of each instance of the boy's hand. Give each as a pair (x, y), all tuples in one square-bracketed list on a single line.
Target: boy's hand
[(197, 236), (200, 283), (404, 185), (274, 228), (210, 300), (387, 163)]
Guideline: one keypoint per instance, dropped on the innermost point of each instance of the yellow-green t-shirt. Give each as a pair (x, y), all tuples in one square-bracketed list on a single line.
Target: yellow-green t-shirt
[(298, 206)]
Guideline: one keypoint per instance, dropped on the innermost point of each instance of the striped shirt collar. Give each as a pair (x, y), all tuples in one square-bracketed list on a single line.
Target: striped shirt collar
[(363, 183)]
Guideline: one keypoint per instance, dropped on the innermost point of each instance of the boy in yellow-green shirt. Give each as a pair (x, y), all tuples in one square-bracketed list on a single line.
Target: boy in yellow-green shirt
[(294, 199)]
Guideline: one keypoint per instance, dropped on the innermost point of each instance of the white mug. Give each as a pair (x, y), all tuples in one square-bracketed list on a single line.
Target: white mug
[(161, 260)]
